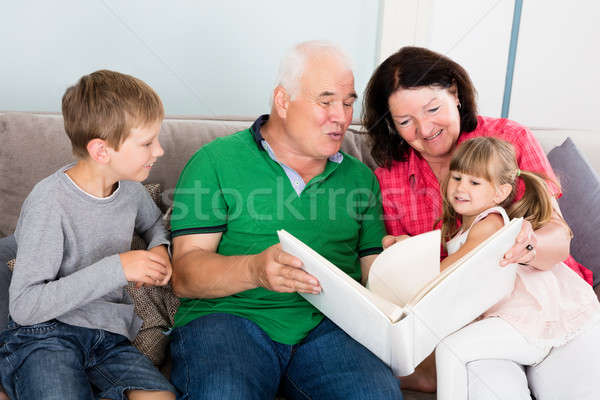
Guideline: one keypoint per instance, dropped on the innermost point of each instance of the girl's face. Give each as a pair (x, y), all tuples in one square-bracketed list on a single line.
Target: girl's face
[(469, 195), (427, 118)]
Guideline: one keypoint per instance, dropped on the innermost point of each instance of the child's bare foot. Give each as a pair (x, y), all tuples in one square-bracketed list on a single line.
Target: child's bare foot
[(3, 395), (424, 379)]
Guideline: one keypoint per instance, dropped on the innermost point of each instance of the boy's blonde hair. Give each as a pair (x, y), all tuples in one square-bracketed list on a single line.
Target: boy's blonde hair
[(494, 160), (107, 105)]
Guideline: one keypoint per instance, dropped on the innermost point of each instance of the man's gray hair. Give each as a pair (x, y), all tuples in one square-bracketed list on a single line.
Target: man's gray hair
[(293, 63)]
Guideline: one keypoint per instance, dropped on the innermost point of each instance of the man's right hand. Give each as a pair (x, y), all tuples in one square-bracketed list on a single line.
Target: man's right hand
[(145, 268), (276, 270)]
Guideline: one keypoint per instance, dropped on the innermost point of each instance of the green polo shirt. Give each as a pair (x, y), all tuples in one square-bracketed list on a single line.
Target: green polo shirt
[(232, 185)]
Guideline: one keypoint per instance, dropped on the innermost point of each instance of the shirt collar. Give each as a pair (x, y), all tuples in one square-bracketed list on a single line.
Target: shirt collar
[(264, 145), (255, 129), (413, 165)]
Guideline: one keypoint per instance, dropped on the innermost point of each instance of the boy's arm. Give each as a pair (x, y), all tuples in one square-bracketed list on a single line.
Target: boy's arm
[(478, 233), (35, 293)]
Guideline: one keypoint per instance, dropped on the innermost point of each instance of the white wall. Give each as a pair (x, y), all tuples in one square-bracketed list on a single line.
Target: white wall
[(220, 58), (475, 33), (557, 66), (557, 73), (202, 57)]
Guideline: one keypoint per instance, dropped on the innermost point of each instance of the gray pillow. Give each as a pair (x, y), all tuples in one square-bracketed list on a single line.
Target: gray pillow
[(580, 203)]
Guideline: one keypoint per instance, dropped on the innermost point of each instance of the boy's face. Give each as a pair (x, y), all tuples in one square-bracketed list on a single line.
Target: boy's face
[(137, 153)]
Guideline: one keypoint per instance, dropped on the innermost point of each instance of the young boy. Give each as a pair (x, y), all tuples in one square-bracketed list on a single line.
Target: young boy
[(71, 318)]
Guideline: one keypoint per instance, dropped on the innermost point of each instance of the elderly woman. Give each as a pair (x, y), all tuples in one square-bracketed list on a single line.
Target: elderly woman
[(418, 107)]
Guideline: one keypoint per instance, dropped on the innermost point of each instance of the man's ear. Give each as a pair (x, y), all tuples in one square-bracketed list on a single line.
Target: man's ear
[(98, 150), (281, 101), (502, 192)]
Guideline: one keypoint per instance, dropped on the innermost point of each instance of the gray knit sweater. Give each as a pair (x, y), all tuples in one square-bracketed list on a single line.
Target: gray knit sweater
[(68, 265)]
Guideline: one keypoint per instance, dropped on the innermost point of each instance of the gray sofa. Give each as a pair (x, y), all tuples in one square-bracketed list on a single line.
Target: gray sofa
[(35, 145)]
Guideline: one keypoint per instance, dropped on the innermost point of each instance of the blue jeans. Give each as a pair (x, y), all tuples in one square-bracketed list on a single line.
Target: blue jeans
[(57, 361), (222, 356), (8, 251)]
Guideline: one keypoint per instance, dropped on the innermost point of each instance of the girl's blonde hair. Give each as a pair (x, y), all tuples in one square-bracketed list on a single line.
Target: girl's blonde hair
[(494, 160)]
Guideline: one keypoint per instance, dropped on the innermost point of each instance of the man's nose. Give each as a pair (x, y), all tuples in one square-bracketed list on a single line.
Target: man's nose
[(337, 112)]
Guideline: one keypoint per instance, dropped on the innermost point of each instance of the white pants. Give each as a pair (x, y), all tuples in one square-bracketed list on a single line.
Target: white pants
[(496, 353)]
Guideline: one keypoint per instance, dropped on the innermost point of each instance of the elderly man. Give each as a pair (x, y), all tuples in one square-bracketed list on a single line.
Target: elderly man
[(242, 330)]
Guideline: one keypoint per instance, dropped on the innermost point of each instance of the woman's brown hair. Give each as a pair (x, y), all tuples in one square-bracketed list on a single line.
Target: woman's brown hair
[(409, 68)]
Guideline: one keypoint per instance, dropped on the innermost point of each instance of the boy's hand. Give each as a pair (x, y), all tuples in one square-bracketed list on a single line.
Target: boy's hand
[(146, 267), (162, 252)]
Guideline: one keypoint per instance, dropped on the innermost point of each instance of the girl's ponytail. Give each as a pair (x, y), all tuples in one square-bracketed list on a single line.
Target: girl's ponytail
[(536, 203)]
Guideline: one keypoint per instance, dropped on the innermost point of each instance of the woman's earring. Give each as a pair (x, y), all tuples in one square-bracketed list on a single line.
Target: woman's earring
[(458, 105)]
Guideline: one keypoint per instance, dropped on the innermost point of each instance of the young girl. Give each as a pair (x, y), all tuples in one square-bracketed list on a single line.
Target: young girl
[(551, 320)]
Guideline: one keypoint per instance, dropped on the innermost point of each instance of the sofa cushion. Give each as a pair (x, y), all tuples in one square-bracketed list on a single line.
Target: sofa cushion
[(580, 203), (33, 147)]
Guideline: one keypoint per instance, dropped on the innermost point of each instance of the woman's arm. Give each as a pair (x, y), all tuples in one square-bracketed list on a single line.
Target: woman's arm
[(550, 243)]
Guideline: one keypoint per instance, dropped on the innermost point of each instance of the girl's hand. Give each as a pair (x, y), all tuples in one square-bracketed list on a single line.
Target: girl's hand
[(523, 251), (389, 240)]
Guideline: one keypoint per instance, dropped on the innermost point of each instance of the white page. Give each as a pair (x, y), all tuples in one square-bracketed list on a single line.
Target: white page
[(404, 268), (473, 286), (331, 278), (362, 314)]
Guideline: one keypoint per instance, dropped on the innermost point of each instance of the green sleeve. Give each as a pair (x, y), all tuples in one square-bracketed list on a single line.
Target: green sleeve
[(198, 203), (372, 228)]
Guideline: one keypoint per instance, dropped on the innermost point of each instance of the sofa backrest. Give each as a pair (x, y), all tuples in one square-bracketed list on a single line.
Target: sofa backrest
[(33, 146)]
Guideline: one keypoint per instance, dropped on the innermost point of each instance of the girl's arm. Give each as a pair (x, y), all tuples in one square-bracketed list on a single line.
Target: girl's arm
[(478, 233)]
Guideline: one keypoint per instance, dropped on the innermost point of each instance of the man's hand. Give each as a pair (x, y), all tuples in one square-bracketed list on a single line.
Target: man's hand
[(146, 268), (276, 270), (389, 240)]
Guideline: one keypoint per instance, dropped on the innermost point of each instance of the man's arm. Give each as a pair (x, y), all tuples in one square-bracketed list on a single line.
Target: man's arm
[(199, 272), (365, 267)]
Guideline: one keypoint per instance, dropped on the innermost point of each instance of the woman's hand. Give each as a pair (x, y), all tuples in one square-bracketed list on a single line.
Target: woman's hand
[(389, 240), (524, 249)]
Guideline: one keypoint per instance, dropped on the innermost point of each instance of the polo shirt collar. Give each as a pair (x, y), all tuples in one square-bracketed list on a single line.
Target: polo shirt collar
[(255, 129), (258, 138)]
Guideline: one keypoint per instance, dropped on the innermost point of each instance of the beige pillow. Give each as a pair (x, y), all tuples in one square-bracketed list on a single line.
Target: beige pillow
[(156, 306)]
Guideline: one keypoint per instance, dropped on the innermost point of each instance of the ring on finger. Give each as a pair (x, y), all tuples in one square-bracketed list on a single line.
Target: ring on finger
[(529, 247)]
